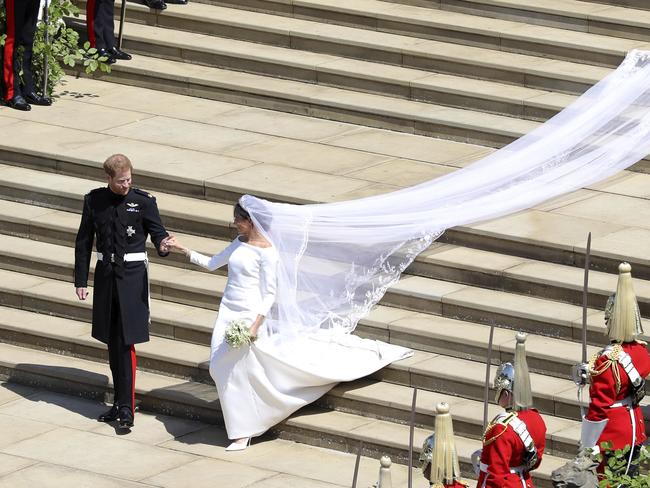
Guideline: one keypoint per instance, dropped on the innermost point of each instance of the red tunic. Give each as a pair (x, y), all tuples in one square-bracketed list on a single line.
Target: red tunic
[(503, 450), (603, 394)]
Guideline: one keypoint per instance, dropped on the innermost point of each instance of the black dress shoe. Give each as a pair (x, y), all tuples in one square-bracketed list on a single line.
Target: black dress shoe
[(36, 99), (125, 420), (110, 415), (157, 4), (19, 103), (119, 54), (177, 2), (103, 53)]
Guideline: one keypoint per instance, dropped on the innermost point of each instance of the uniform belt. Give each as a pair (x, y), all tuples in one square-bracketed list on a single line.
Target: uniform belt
[(520, 470), (128, 257), (626, 402)]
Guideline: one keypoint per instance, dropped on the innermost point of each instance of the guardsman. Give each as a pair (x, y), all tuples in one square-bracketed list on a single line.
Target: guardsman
[(513, 444), (18, 80), (617, 378), (119, 218), (101, 30), (439, 459)]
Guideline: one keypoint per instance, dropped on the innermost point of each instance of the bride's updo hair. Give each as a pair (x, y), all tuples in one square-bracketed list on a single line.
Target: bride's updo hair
[(241, 213)]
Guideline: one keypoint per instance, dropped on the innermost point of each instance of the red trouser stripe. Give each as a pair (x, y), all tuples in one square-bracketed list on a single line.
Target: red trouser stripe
[(10, 46), (133, 366), (90, 22)]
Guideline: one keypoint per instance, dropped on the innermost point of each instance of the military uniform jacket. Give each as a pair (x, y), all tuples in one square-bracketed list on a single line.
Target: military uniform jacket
[(119, 225), (610, 384), (503, 450)]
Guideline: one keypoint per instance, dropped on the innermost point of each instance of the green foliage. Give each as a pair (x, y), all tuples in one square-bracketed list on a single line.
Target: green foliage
[(63, 49), (617, 460)]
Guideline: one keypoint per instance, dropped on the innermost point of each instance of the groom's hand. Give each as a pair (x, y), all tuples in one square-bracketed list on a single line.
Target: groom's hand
[(82, 293)]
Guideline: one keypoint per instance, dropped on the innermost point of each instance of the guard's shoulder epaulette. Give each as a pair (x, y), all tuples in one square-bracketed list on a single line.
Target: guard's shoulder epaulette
[(497, 427), (143, 193)]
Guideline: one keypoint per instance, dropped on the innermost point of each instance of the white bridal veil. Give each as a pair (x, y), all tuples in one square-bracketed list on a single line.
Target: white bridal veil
[(338, 259)]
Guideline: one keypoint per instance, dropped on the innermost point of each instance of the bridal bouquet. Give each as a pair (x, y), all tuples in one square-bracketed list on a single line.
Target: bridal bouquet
[(238, 334)]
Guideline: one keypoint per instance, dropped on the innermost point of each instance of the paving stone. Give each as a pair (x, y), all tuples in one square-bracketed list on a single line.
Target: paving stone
[(406, 146), (186, 134), (205, 472), (136, 461), (15, 430), (11, 392), (56, 409), (10, 464), (82, 116), (52, 476)]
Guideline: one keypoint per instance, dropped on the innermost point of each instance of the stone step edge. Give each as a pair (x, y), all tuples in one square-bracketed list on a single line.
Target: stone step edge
[(341, 398), (355, 80), (395, 297), (545, 15), (503, 69), (181, 400), (463, 236), (331, 103), (460, 33), (402, 373), (426, 266)]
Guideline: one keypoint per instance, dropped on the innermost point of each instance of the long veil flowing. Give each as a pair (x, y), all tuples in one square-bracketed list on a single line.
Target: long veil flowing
[(337, 260)]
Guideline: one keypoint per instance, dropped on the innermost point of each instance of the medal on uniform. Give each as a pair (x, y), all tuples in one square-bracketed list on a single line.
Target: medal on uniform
[(130, 231)]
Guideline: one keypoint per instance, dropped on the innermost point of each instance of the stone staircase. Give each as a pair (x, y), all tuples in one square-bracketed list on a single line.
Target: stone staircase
[(477, 72)]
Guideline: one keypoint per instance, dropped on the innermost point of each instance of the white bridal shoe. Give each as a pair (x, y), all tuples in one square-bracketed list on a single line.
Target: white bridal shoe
[(239, 446)]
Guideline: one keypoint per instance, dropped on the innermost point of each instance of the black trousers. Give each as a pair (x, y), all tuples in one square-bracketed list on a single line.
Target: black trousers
[(22, 16), (99, 22), (121, 357)]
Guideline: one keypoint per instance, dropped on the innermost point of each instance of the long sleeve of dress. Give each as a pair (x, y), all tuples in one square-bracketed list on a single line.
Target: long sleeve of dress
[(268, 281), (216, 261)]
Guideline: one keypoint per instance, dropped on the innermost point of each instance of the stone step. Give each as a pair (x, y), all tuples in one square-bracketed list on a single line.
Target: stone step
[(358, 75), (534, 234), (413, 293), (391, 402), (582, 16), (417, 330), (494, 62), (174, 359), (191, 362), (427, 23), (441, 262), (330, 103), (174, 396), (427, 370)]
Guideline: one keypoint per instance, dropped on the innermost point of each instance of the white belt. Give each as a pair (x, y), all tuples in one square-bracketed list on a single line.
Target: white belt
[(626, 402), (520, 470), (128, 257)]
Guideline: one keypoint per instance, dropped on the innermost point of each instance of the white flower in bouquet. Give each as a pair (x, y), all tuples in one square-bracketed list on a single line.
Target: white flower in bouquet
[(238, 334)]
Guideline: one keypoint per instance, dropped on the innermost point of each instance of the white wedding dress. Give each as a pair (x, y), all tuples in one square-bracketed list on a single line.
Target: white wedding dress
[(261, 385)]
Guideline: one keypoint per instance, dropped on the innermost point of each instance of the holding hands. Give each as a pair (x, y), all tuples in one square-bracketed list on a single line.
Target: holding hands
[(171, 243)]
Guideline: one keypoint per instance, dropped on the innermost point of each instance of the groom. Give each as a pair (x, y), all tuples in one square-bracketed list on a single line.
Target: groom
[(119, 217)]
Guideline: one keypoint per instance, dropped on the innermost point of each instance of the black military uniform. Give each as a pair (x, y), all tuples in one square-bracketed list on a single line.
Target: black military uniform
[(19, 90), (121, 293)]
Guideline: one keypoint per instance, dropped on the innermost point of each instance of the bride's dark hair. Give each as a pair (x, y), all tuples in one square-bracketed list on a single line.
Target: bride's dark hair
[(241, 213)]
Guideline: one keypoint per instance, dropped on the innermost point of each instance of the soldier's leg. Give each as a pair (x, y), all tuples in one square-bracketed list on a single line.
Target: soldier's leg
[(125, 363), (114, 335), (27, 34), (15, 11), (106, 22)]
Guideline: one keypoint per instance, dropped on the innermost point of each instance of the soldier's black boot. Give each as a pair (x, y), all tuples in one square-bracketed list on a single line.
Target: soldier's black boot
[(125, 417), (110, 415)]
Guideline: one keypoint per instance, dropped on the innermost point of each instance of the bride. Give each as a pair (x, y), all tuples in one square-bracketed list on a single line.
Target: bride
[(262, 384)]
